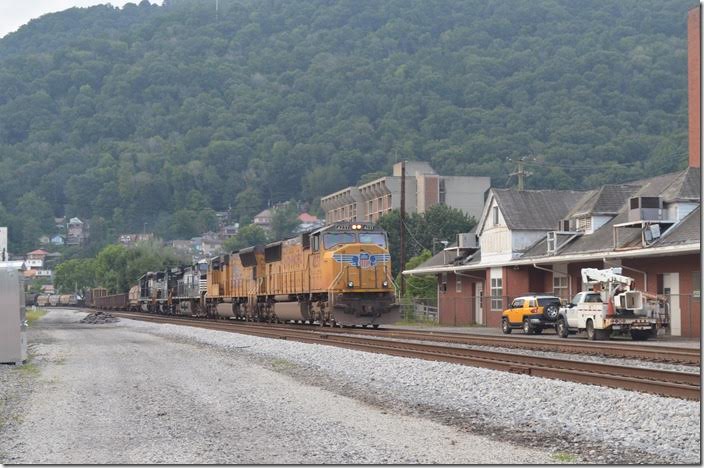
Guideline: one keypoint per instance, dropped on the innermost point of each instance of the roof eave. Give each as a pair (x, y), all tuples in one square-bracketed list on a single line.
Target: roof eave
[(654, 251)]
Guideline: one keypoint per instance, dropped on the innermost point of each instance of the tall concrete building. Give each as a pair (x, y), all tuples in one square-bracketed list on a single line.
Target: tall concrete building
[(424, 188)]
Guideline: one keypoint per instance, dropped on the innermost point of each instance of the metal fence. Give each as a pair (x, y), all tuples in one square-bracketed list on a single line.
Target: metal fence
[(419, 310)]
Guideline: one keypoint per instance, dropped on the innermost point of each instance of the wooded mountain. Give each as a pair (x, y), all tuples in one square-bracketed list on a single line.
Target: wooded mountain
[(160, 114)]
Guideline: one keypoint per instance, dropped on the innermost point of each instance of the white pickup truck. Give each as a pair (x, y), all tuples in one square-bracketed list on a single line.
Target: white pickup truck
[(589, 312)]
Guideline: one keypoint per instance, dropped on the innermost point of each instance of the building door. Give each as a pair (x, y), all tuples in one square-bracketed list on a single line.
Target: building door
[(478, 306), (671, 288)]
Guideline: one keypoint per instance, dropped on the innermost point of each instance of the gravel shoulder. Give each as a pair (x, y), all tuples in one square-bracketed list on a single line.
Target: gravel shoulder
[(139, 393)]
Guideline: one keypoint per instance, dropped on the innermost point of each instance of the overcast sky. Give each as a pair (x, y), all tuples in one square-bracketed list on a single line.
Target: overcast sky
[(15, 13)]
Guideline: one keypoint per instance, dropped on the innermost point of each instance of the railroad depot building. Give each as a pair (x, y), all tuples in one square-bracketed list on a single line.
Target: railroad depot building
[(539, 240), (424, 188)]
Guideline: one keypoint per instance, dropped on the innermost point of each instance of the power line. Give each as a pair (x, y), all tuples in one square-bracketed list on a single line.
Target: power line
[(408, 230)]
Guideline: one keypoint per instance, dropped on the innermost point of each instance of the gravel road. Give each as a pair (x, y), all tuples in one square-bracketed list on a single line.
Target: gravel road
[(137, 393)]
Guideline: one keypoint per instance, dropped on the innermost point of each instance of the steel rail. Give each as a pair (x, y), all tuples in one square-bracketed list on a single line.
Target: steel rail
[(667, 383), (665, 354), (656, 353)]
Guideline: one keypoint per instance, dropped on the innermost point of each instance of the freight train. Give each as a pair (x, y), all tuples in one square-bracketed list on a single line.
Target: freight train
[(337, 275)]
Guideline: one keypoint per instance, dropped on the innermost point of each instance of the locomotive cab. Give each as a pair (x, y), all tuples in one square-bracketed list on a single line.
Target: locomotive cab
[(355, 267)]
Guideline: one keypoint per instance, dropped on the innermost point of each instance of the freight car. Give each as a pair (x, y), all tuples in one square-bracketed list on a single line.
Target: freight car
[(113, 302), (339, 274), (42, 300), (94, 293)]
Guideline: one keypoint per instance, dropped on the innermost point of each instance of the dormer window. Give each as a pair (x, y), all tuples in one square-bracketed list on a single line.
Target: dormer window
[(495, 215), (584, 224)]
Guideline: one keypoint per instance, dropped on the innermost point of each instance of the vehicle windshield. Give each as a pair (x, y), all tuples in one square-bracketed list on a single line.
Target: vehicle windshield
[(330, 240), (543, 301), (372, 238)]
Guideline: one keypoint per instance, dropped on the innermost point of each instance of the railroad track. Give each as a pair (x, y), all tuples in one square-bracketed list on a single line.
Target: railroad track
[(614, 349), (661, 382)]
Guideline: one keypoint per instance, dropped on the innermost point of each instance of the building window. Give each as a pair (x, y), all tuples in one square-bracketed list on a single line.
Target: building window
[(443, 282), (560, 286), (696, 284), (442, 191), (495, 213), (496, 293), (458, 284), (584, 224)]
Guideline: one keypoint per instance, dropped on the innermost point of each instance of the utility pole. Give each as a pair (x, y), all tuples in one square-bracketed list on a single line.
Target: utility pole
[(403, 226), (521, 174)]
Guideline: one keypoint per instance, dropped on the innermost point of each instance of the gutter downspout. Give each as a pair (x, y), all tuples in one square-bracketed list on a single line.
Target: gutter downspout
[(645, 275), (569, 278)]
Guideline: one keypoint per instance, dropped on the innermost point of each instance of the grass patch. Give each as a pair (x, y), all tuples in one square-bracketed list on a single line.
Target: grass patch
[(282, 364), (29, 369), (563, 457), (34, 315)]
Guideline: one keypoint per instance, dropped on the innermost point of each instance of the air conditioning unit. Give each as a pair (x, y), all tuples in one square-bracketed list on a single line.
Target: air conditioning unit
[(468, 240), (645, 209)]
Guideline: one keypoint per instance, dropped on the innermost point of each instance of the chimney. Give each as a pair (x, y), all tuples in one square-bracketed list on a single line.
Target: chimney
[(694, 78)]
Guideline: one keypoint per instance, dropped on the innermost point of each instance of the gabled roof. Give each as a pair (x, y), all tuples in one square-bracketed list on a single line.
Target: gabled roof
[(264, 214), (679, 185), (307, 218), (38, 252), (684, 232), (608, 199), (75, 221), (538, 210), (685, 186), (683, 237)]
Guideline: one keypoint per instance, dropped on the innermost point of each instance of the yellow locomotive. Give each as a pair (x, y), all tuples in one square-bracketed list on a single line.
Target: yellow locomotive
[(339, 274)]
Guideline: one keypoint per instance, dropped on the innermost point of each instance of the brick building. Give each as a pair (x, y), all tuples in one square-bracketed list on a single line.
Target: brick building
[(538, 241), (424, 188)]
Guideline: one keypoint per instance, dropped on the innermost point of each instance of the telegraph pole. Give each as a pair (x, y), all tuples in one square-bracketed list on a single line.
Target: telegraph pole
[(403, 226), (521, 174)]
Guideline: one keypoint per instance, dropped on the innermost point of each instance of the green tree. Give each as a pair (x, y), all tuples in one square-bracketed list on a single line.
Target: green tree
[(284, 221), (111, 268), (75, 275), (421, 287), (247, 236), (438, 223)]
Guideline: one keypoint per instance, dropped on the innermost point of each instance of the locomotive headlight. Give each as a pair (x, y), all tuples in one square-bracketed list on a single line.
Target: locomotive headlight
[(385, 284), (350, 284)]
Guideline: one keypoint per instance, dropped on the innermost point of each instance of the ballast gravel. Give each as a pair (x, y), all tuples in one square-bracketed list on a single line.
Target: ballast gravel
[(572, 357), (600, 425), (123, 393)]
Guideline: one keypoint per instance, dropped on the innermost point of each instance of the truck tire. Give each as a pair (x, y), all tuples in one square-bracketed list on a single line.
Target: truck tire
[(527, 328), (591, 333), (561, 328), (505, 327)]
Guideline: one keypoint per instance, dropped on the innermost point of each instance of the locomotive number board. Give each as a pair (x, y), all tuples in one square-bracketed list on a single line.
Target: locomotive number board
[(354, 227)]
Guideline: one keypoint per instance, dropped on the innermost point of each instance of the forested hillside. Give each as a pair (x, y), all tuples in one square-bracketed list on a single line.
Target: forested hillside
[(158, 114)]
